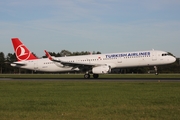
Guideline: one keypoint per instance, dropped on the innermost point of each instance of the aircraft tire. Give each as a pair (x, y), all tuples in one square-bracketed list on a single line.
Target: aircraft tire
[(95, 76), (156, 73), (86, 76)]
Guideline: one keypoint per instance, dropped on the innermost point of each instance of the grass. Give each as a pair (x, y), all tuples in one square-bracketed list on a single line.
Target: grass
[(81, 76), (92, 100)]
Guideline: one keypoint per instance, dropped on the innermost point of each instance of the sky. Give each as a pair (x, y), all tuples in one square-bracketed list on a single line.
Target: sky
[(91, 25)]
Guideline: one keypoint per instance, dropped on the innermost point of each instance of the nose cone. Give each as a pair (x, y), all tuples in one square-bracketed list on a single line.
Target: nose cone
[(172, 59)]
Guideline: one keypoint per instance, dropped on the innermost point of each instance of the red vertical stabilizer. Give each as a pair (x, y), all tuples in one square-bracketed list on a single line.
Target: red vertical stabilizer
[(22, 52)]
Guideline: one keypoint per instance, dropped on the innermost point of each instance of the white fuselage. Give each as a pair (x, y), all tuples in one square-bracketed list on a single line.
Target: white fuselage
[(115, 60)]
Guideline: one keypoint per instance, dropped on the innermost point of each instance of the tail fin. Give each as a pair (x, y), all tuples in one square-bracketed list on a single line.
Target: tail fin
[(22, 52)]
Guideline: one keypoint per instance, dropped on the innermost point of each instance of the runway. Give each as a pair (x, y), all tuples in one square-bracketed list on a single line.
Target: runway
[(100, 79)]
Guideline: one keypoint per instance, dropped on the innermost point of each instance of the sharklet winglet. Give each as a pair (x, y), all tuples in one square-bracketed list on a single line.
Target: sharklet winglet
[(48, 55)]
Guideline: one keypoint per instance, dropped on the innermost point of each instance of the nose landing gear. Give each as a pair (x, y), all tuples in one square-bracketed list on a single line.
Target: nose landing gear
[(155, 68)]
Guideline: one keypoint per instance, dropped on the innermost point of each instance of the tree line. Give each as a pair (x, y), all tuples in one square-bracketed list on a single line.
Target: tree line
[(6, 60)]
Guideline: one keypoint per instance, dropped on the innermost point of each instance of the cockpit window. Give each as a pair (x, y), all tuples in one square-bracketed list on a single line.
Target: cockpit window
[(164, 54), (167, 54)]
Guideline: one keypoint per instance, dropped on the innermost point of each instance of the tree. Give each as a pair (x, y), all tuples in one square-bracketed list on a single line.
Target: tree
[(65, 53), (2, 59), (98, 52), (9, 59)]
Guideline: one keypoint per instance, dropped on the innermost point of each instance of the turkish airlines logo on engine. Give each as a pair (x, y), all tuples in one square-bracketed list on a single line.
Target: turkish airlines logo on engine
[(22, 53)]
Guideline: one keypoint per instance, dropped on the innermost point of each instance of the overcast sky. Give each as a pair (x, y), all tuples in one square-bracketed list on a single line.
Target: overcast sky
[(91, 25)]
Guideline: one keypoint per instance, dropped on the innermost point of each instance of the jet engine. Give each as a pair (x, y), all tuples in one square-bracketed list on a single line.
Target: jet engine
[(101, 69)]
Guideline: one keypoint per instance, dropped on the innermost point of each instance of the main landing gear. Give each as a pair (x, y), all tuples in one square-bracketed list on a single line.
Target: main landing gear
[(87, 76), (155, 68)]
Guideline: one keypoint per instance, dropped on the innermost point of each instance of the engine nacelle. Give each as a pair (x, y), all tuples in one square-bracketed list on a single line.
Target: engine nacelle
[(101, 69)]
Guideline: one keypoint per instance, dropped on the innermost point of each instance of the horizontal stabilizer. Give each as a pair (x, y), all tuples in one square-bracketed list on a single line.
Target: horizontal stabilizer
[(18, 64)]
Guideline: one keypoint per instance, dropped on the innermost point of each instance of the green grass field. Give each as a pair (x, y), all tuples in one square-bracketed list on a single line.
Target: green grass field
[(89, 100)]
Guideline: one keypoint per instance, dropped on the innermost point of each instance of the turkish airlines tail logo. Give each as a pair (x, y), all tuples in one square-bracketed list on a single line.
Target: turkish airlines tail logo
[(22, 53)]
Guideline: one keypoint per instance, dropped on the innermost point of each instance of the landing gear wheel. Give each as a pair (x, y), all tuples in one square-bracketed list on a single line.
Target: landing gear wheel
[(95, 75), (86, 76), (156, 73)]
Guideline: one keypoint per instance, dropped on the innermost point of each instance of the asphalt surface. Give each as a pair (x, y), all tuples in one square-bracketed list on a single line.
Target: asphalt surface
[(101, 79)]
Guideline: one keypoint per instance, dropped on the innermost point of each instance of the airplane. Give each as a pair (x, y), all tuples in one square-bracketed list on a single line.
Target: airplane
[(95, 64)]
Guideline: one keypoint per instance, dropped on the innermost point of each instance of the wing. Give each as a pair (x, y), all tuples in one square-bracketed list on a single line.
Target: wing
[(72, 64)]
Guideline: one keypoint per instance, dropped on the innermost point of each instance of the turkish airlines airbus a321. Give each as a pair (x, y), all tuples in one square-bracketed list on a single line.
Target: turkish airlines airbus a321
[(95, 64)]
